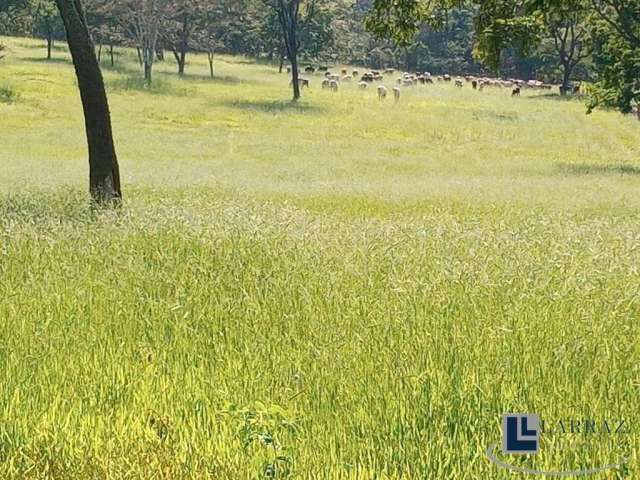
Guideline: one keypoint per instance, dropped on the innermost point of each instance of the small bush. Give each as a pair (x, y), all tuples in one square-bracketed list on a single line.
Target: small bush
[(8, 94)]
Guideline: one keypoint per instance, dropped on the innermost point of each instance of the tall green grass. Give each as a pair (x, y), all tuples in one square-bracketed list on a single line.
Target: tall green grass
[(337, 289)]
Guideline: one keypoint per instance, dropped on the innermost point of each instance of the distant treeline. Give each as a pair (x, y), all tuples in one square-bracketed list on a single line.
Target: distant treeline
[(330, 32), (554, 41)]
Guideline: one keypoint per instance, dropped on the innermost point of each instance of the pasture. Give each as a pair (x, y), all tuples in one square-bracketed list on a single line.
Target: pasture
[(339, 288)]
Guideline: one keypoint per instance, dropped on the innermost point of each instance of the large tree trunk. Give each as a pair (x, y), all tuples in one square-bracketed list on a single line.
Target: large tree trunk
[(104, 174)]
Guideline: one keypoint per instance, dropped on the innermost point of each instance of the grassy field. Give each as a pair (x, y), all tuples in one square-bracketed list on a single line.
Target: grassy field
[(339, 289)]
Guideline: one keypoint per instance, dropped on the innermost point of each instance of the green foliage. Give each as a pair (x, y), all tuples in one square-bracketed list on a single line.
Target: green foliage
[(14, 18), (8, 94), (610, 27), (261, 432), (399, 20), (499, 26), (617, 55)]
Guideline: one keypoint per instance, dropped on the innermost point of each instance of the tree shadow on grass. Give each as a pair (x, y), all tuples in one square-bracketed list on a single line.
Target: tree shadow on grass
[(557, 97), (137, 83), (217, 79), (590, 169), (271, 106), (135, 71), (43, 46), (118, 67), (50, 60)]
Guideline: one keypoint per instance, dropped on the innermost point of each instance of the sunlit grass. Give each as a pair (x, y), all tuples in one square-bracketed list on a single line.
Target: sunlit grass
[(341, 288)]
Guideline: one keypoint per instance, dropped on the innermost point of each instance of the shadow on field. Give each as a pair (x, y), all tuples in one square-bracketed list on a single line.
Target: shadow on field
[(43, 46), (137, 83), (118, 67), (590, 169), (219, 80), (270, 106), (45, 60), (557, 97), (134, 75)]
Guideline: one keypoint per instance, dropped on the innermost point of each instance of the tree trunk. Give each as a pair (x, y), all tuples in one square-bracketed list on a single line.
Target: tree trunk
[(184, 43), (566, 80), (49, 44), (210, 58), (281, 62), (182, 62), (147, 72), (104, 174), (148, 56), (181, 59), (111, 55), (99, 53), (293, 57), (288, 18), (295, 77)]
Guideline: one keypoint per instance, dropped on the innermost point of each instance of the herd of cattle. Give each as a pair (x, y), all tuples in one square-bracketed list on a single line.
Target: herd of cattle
[(332, 81)]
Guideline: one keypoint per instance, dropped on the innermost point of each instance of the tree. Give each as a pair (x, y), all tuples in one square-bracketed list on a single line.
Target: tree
[(300, 20), (141, 20), (104, 173), (617, 54), (566, 23), (102, 17), (181, 19), (46, 21), (288, 14), (216, 21), (270, 35)]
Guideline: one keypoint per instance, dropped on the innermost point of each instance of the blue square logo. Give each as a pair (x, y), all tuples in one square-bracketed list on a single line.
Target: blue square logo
[(520, 434)]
